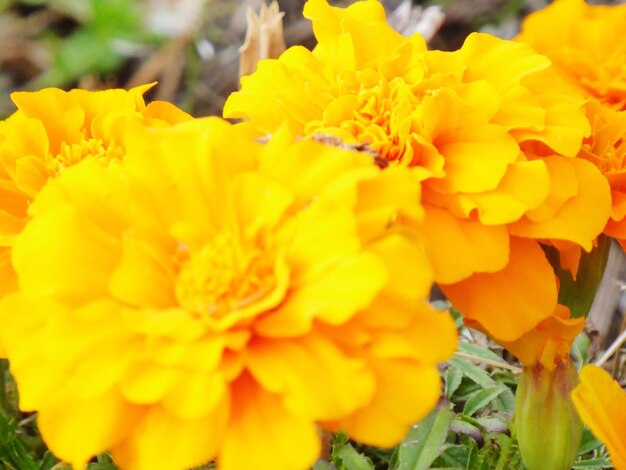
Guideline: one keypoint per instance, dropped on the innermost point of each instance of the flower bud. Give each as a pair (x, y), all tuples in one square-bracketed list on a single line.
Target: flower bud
[(547, 425)]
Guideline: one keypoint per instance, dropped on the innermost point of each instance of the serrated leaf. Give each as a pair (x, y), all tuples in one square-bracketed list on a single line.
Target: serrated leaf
[(472, 371), (481, 399), (348, 458), (424, 442), (479, 351), (452, 380), (323, 465)]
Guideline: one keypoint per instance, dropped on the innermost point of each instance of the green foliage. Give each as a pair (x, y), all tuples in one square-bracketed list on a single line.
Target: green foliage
[(107, 30), (425, 441), (580, 293)]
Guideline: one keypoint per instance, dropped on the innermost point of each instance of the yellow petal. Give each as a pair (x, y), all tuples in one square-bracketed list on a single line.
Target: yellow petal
[(146, 382), (601, 403), (75, 430), (161, 440), (261, 430), (411, 342), (406, 391), (307, 373), (79, 267), (327, 20), (145, 275), (337, 294)]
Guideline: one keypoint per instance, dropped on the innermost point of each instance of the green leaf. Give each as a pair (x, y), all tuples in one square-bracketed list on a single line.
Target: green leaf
[(323, 465), (425, 440), (481, 399), (588, 442), (13, 452), (580, 349), (472, 371), (600, 463), (479, 351), (452, 380), (579, 294), (346, 457)]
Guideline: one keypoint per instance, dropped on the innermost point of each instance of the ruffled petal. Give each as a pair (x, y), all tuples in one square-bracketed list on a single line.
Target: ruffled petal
[(308, 373), (549, 342), (164, 441), (457, 248), (406, 391), (580, 219), (263, 431), (85, 428), (510, 302)]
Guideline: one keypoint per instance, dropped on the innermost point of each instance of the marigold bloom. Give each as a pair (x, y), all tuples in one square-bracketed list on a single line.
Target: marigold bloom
[(214, 297), (601, 404), (586, 45), (489, 128), (51, 131)]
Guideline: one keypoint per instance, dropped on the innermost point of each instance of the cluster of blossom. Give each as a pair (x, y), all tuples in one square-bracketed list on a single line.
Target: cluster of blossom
[(178, 290)]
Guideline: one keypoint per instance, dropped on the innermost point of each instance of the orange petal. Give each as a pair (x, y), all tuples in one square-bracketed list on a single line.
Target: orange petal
[(458, 248), (512, 301), (549, 342), (601, 404), (581, 218)]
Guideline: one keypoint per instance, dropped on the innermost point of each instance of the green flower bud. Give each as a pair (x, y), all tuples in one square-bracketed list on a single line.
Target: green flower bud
[(547, 425)]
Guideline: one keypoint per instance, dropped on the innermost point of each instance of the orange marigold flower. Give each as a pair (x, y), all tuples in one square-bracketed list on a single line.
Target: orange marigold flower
[(490, 129), (601, 404), (51, 131), (586, 45), (214, 297)]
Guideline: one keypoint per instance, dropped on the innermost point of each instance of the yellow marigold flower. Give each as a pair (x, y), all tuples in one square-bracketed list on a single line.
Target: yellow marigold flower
[(51, 131), (586, 45), (214, 297), (490, 129), (549, 343), (601, 404)]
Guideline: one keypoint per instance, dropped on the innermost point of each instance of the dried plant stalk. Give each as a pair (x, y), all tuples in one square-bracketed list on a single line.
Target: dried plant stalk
[(264, 38)]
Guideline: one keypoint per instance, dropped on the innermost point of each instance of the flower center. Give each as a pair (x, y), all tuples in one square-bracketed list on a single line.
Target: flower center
[(70, 154), (226, 274), (381, 119)]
